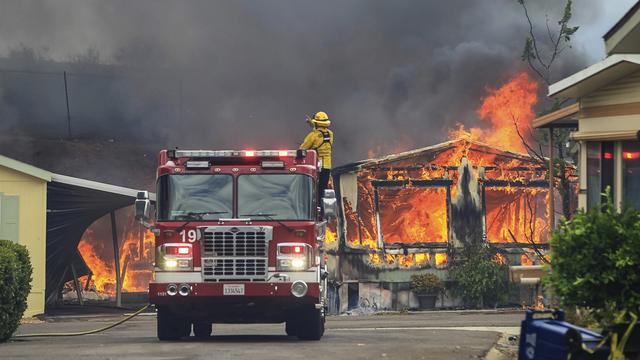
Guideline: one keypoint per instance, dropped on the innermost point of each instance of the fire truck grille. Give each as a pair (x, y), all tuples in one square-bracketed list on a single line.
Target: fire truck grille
[(249, 243), (235, 268), (235, 253)]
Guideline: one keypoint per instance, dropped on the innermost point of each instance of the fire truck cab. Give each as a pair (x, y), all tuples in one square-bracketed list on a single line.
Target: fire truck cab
[(238, 239)]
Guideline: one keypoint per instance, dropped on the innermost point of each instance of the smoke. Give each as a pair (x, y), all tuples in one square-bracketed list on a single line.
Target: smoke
[(237, 74)]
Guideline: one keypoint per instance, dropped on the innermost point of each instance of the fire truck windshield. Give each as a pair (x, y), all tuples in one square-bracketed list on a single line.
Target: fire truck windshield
[(194, 197), (281, 196)]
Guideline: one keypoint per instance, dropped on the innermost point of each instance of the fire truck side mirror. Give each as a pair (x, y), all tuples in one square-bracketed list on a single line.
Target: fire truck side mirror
[(143, 206), (330, 204)]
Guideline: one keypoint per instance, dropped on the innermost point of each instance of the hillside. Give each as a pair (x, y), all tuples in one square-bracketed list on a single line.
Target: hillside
[(111, 161)]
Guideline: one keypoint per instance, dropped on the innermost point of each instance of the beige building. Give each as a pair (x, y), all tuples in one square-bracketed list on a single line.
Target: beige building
[(48, 213), (23, 215), (607, 116)]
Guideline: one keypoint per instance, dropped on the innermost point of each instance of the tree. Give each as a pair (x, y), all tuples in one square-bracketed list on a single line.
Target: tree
[(541, 54), (538, 61)]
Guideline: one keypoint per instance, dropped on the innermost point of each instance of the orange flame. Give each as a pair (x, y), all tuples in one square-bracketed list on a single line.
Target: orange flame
[(406, 261), (509, 111), (424, 213), (136, 260), (442, 260), (516, 215), (103, 276)]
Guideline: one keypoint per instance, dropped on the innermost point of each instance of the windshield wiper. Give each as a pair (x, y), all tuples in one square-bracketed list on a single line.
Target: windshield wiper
[(270, 218), (197, 215)]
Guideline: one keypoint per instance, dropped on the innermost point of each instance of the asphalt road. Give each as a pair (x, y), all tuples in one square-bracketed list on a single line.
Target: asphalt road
[(428, 335)]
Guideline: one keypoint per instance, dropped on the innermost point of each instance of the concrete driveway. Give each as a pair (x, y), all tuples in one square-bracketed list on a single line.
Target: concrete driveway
[(425, 335)]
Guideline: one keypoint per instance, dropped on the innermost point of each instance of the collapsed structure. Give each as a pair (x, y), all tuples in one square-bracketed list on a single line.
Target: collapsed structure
[(404, 213)]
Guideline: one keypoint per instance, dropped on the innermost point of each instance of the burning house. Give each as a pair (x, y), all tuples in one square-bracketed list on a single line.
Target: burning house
[(404, 213)]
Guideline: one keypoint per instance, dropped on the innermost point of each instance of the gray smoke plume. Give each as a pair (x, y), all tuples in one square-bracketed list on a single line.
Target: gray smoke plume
[(235, 74)]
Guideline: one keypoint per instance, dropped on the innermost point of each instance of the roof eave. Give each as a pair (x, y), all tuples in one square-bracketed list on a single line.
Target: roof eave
[(597, 74), (359, 165), (94, 185), (25, 168)]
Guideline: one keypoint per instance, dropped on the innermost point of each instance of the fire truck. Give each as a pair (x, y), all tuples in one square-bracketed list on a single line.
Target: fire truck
[(238, 239)]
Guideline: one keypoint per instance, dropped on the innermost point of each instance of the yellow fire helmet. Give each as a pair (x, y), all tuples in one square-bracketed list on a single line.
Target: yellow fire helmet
[(321, 119)]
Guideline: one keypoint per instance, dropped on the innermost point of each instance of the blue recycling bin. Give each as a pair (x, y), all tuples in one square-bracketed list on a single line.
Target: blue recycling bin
[(544, 335)]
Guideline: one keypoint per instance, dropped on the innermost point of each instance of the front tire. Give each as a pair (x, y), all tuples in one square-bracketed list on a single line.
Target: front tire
[(170, 327), (291, 327), (312, 325), (202, 330)]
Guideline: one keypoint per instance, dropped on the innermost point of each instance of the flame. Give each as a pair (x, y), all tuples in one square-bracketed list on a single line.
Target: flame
[(135, 259), (499, 258), (442, 260), (424, 215), (103, 277), (526, 259), (516, 215), (137, 262), (405, 261), (422, 258), (508, 110)]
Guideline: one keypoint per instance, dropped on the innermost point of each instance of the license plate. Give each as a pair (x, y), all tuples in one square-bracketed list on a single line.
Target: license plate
[(233, 289)]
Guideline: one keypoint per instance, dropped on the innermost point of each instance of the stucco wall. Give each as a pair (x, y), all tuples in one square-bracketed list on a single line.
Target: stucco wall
[(32, 227)]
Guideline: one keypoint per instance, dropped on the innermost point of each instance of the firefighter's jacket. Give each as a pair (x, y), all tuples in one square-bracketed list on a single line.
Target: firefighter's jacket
[(320, 139)]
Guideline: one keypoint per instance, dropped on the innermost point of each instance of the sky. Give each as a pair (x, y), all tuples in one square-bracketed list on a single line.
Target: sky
[(393, 75)]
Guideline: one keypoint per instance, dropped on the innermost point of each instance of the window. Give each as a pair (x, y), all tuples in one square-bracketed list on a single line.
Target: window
[(9, 206), (193, 197), (600, 160), (517, 214), (631, 173), (413, 215), (278, 196), (360, 217)]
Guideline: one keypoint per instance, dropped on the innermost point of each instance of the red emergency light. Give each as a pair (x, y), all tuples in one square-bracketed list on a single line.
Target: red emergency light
[(629, 155), (178, 250), (292, 249), (607, 155)]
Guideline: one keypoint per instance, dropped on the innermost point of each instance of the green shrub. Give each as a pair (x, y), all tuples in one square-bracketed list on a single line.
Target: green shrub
[(426, 284), (15, 282), (478, 279), (595, 262)]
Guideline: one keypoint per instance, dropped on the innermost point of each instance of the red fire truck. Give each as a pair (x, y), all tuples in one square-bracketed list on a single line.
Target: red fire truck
[(238, 238)]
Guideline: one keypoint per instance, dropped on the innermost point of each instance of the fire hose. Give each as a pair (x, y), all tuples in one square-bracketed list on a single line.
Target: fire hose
[(88, 332)]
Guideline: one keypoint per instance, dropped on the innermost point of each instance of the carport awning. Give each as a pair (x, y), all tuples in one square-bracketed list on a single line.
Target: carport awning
[(72, 206)]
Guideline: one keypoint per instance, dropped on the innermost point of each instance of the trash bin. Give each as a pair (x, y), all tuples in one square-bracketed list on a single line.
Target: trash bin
[(544, 335)]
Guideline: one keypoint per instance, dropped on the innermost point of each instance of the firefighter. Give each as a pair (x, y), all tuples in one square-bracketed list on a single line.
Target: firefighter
[(320, 139)]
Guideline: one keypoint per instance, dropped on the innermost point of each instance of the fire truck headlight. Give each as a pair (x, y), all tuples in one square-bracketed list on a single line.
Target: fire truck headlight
[(299, 288), (294, 257), (298, 264), (175, 257)]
